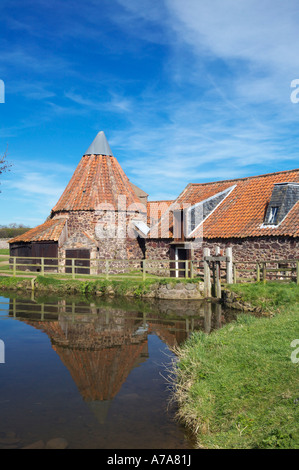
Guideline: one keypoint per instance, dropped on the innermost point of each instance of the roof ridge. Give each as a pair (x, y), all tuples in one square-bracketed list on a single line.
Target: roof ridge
[(245, 177), (162, 200)]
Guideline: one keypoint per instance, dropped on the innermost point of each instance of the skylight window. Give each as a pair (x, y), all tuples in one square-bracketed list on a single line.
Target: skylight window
[(272, 220)]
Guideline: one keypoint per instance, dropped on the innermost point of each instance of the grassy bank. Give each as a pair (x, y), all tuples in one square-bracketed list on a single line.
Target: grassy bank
[(238, 388), (94, 287)]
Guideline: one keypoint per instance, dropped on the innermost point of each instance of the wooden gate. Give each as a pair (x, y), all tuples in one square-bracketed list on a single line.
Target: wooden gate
[(82, 258)]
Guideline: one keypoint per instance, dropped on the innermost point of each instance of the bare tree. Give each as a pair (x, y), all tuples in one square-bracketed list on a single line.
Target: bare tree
[(4, 164)]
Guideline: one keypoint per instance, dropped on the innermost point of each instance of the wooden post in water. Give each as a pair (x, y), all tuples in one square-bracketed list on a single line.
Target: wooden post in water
[(207, 317), (207, 273), (218, 314)]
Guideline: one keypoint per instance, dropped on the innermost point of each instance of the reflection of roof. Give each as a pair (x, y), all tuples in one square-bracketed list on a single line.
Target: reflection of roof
[(99, 361), (99, 375), (48, 231), (241, 213)]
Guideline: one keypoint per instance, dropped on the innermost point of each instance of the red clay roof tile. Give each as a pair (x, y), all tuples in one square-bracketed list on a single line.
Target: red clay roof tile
[(48, 231), (98, 179), (241, 214)]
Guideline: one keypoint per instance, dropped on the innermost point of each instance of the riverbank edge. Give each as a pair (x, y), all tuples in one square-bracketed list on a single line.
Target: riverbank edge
[(174, 289), (168, 289), (203, 356)]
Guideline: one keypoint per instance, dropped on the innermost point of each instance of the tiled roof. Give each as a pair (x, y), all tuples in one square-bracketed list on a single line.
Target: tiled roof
[(98, 179), (155, 210), (48, 231), (241, 214)]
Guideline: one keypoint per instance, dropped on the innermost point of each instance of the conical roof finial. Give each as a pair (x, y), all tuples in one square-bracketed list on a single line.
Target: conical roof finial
[(99, 146)]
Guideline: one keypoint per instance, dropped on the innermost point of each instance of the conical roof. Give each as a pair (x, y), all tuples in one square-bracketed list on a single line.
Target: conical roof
[(98, 179), (99, 146)]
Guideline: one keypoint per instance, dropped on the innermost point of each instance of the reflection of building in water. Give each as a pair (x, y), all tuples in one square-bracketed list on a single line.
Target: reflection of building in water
[(173, 333), (101, 345), (99, 361)]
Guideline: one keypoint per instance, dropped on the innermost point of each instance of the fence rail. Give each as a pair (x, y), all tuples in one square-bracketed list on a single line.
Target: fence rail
[(214, 270), (105, 267)]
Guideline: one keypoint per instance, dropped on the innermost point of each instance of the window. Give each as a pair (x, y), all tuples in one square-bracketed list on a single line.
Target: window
[(273, 215)]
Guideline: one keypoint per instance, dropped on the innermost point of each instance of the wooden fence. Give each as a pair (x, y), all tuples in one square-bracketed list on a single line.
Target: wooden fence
[(104, 268), (219, 270), (215, 270)]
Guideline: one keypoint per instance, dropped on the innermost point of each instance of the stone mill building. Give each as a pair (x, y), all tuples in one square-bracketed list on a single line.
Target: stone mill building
[(101, 216)]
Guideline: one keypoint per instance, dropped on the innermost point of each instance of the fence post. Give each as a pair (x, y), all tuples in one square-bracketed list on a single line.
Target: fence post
[(264, 273), (235, 274), (191, 269), (186, 269), (73, 268), (143, 270), (297, 272), (207, 273), (43, 266), (229, 265), (14, 269), (258, 272)]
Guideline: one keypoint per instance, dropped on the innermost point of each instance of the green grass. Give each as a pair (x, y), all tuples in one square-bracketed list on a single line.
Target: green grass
[(4, 251), (270, 296), (238, 388), (88, 285)]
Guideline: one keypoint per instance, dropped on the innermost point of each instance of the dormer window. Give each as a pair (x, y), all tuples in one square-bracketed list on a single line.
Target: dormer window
[(273, 216), (284, 197)]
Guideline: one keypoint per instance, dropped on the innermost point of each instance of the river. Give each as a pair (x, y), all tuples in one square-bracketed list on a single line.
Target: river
[(94, 373)]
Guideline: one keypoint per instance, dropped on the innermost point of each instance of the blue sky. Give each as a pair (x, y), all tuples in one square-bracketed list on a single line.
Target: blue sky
[(185, 91)]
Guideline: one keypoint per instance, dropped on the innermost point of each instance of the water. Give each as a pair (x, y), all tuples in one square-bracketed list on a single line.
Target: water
[(94, 373)]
